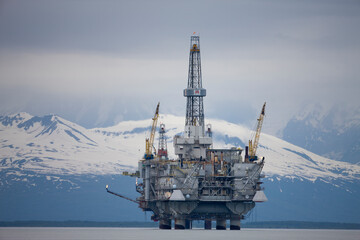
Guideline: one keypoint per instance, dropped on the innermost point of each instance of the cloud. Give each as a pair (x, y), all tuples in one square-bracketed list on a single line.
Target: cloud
[(85, 73), (96, 62)]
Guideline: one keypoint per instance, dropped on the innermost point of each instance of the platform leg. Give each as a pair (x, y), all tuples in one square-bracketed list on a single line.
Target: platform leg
[(188, 224), (165, 224), (235, 223), (179, 224), (207, 224), (220, 224)]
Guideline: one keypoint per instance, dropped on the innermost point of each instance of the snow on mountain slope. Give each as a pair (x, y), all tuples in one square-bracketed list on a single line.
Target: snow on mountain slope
[(51, 144), (282, 158)]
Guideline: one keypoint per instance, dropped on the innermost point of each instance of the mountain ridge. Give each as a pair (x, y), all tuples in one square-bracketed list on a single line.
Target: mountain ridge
[(330, 132), (51, 139)]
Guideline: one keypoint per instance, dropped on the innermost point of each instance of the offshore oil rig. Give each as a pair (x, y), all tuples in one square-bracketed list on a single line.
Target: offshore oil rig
[(203, 183)]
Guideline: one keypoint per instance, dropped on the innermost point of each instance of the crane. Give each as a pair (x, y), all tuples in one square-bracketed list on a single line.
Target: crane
[(253, 144), (149, 142)]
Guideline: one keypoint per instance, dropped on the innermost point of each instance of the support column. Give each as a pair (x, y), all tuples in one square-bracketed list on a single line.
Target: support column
[(220, 224), (235, 223), (188, 224), (207, 224), (179, 223), (165, 224)]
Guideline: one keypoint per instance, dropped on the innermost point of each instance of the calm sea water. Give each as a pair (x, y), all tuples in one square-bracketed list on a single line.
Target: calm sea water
[(147, 233)]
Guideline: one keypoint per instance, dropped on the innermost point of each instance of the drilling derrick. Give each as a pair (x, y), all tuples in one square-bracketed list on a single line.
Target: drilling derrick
[(162, 149), (192, 146), (194, 91), (202, 182)]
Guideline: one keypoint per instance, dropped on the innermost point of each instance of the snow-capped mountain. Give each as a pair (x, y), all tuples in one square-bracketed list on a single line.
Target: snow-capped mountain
[(332, 132), (53, 169), (51, 144)]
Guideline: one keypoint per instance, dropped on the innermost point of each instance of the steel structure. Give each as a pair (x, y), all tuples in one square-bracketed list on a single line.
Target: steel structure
[(149, 142), (202, 183), (253, 143), (194, 91), (162, 149)]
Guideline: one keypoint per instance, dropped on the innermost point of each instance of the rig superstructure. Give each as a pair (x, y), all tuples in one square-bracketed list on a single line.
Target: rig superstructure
[(203, 183)]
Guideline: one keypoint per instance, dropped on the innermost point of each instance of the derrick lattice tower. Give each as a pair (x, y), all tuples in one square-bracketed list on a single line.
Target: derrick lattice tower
[(194, 91), (162, 149), (193, 144)]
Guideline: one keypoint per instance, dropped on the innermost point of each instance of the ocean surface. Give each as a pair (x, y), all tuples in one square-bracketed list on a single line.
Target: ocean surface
[(33, 233)]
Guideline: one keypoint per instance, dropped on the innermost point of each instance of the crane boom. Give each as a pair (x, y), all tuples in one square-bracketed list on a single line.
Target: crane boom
[(254, 144), (150, 141)]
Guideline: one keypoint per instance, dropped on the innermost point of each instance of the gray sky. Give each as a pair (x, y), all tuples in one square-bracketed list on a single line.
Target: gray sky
[(98, 62)]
